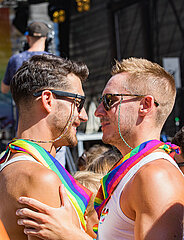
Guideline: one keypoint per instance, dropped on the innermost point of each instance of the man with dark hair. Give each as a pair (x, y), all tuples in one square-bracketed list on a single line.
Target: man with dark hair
[(49, 96), (36, 36), (142, 197)]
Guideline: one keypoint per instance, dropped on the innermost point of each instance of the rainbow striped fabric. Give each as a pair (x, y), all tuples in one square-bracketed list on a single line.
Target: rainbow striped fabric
[(95, 228), (78, 194), (110, 181), (3, 233)]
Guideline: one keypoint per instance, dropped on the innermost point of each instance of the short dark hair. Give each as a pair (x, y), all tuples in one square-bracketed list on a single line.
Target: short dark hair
[(44, 72)]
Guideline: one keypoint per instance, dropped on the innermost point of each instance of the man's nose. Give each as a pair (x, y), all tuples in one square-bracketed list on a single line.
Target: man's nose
[(83, 115), (100, 110)]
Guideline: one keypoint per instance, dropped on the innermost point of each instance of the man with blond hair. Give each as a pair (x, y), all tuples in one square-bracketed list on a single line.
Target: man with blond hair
[(142, 197)]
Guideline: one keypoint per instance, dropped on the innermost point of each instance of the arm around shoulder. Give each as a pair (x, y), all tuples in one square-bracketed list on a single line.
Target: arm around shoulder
[(44, 186), (50, 223)]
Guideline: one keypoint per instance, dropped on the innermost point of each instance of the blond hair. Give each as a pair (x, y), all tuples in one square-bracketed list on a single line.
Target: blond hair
[(103, 163), (91, 154), (148, 78), (91, 181)]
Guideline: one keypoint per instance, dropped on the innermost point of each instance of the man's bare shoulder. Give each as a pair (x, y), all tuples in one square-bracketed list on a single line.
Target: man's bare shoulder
[(158, 170), (158, 182), (30, 178)]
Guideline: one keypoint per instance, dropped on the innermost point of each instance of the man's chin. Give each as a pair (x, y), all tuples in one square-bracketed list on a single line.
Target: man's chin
[(109, 140), (71, 142), (105, 140)]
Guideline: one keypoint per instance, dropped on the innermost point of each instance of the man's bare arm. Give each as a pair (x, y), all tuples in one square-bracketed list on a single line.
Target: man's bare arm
[(50, 223), (159, 202), (43, 185)]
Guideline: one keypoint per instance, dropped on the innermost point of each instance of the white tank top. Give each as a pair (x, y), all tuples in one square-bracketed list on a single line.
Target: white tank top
[(113, 224), (16, 159)]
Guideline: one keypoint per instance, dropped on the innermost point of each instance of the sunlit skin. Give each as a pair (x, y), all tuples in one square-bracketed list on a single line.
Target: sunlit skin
[(109, 119), (69, 139), (130, 120)]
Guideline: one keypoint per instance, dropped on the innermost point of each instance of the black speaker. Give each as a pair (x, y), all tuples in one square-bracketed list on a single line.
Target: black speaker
[(21, 16)]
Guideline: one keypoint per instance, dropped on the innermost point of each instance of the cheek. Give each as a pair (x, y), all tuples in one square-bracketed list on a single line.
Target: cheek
[(127, 115), (63, 114), (113, 117)]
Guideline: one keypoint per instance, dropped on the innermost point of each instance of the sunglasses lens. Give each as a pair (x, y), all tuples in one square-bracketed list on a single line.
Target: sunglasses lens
[(81, 105), (107, 101)]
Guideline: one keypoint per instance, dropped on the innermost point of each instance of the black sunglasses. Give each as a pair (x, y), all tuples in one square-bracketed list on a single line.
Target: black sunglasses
[(79, 104), (108, 101)]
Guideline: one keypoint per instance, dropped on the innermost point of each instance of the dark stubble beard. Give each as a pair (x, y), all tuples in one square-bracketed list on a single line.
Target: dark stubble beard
[(71, 139)]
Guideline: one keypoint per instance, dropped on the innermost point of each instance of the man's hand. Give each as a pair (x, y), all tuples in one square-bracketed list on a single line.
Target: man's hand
[(4, 88), (50, 223)]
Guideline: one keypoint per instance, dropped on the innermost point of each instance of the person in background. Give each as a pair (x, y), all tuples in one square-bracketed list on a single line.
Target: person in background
[(142, 196), (36, 36), (103, 163), (91, 181), (89, 155), (48, 93), (178, 139), (61, 155)]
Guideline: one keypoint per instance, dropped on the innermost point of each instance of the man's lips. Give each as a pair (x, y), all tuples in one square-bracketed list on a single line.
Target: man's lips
[(103, 124), (75, 124)]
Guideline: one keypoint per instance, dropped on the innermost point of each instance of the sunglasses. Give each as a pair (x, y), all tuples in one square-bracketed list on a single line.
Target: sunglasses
[(80, 99), (108, 100)]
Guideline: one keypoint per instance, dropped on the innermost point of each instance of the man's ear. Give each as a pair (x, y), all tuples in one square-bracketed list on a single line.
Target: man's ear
[(146, 105), (28, 38), (47, 100), (85, 215)]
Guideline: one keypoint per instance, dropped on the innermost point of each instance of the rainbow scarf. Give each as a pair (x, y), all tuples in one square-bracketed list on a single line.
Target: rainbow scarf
[(3, 233), (78, 194), (110, 181)]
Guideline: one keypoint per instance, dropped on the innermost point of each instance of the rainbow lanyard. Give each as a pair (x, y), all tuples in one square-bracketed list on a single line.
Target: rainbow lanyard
[(110, 181), (78, 194)]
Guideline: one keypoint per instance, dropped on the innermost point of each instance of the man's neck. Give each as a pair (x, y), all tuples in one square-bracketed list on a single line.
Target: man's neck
[(136, 141), (38, 46), (39, 137)]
